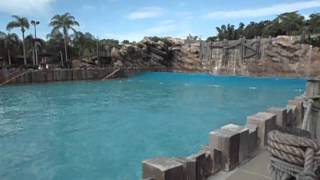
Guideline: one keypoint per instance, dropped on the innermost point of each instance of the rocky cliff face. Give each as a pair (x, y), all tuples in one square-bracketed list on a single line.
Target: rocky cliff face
[(276, 57), (145, 54)]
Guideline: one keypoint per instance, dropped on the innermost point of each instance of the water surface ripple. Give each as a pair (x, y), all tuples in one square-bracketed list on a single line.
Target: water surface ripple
[(103, 129)]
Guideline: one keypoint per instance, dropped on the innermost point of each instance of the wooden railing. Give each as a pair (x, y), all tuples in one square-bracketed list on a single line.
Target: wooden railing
[(111, 74), (14, 76)]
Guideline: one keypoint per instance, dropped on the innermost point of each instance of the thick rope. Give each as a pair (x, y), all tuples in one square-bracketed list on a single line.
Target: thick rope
[(288, 149), (278, 165), (287, 157), (293, 155), (292, 140), (309, 160)]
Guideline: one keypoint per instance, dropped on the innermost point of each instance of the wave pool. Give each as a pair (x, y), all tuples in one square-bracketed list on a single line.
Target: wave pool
[(104, 129)]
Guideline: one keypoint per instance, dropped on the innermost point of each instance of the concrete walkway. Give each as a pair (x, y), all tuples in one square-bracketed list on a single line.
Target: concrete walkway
[(255, 169)]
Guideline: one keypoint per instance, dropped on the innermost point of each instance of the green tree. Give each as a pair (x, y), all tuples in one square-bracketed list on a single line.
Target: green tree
[(254, 29), (291, 23), (32, 45), (64, 23), (23, 24), (212, 38), (109, 42), (84, 41), (192, 38), (10, 42), (55, 41), (240, 31), (314, 23), (125, 42), (229, 32)]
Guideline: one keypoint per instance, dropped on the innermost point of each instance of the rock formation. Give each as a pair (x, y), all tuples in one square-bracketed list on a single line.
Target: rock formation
[(280, 56)]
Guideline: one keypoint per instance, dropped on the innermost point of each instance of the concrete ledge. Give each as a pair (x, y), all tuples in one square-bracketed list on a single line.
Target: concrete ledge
[(228, 142), (203, 162), (292, 112), (162, 169), (189, 168), (298, 103), (265, 123), (228, 146), (252, 139), (244, 139), (281, 115)]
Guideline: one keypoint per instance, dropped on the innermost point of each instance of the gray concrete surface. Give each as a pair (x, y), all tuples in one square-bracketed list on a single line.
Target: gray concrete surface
[(254, 169)]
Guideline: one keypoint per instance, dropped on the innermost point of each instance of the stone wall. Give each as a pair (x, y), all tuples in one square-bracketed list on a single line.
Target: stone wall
[(17, 76), (51, 75), (228, 147)]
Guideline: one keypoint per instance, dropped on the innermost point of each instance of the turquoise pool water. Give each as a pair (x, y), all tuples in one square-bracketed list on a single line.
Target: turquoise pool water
[(96, 130)]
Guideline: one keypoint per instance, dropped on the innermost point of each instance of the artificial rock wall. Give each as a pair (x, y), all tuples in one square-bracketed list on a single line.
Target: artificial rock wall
[(280, 56)]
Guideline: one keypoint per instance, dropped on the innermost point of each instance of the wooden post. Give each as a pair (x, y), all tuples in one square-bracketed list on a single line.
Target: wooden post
[(312, 113), (61, 58), (313, 88)]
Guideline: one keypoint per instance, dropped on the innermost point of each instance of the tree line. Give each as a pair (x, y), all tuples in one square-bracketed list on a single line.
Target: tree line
[(290, 23), (63, 42)]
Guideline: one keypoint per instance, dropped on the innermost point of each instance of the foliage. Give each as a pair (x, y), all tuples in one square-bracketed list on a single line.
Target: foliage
[(109, 42), (290, 23), (313, 23), (163, 39), (64, 23), (84, 42), (192, 38), (212, 38), (125, 42), (23, 24)]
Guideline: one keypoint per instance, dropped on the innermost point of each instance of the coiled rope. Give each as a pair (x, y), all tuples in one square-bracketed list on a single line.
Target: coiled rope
[(293, 156)]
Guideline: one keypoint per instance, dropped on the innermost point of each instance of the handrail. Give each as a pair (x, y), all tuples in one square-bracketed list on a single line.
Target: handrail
[(13, 78), (111, 74)]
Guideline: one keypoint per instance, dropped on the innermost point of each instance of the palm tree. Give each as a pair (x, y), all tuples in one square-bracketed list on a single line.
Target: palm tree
[(35, 24), (84, 41), (11, 42), (65, 23), (23, 24)]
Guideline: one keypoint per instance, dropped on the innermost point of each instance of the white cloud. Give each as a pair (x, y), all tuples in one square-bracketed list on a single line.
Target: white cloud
[(163, 28), (25, 7), (146, 12), (88, 7), (264, 11)]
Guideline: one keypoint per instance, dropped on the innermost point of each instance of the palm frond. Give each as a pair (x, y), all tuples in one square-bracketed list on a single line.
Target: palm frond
[(16, 17), (56, 17), (11, 25), (73, 29), (75, 23), (55, 31)]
